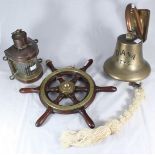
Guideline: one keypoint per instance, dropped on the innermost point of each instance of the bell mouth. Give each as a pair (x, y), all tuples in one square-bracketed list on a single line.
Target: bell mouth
[(123, 74)]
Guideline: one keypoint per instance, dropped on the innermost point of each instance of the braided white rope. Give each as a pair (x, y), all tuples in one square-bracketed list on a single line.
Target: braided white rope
[(87, 137)]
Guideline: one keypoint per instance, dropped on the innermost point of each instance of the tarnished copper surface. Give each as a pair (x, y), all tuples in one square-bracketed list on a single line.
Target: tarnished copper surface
[(22, 58)]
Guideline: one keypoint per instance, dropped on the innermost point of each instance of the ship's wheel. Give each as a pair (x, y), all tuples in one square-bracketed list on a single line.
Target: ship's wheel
[(67, 90)]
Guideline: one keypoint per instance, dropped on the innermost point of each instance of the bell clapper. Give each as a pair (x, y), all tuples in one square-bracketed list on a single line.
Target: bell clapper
[(135, 84)]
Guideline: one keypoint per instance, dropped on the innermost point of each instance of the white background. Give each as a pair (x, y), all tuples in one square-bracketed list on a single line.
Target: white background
[(69, 33)]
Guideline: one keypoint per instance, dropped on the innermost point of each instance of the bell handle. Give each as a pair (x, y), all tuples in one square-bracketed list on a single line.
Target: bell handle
[(141, 17)]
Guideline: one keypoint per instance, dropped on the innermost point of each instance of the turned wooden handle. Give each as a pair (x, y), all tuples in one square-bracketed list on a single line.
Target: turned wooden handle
[(88, 120), (29, 90), (85, 67), (106, 89), (50, 65), (42, 119)]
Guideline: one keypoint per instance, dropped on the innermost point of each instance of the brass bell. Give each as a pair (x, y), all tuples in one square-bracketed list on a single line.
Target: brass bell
[(127, 63)]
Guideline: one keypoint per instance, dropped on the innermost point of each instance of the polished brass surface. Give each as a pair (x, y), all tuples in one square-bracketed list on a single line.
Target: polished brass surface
[(67, 87), (22, 58), (127, 63)]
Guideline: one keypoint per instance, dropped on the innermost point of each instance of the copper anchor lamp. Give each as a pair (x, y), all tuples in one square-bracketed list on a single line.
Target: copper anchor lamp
[(22, 58), (60, 91), (127, 63)]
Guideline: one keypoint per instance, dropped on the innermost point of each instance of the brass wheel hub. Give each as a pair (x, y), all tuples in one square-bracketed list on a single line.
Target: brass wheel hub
[(67, 87)]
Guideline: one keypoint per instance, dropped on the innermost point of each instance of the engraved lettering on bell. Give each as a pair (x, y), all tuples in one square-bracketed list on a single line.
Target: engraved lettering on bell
[(127, 54)]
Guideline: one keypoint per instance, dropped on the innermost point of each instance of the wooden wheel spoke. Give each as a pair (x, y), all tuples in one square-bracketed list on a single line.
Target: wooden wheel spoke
[(52, 89), (30, 90), (81, 89), (60, 79), (44, 116), (73, 98), (75, 78), (88, 120), (87, 65), (50, 65), (59, 98)]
